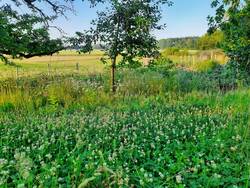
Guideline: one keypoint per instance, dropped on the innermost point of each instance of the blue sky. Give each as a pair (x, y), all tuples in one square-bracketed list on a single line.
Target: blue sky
[(184, 18)]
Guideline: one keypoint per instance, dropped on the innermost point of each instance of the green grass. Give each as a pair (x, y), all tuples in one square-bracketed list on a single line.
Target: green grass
[(69, 131), (163, 128)]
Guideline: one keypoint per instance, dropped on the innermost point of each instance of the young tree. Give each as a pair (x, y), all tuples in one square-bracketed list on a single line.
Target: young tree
[(233, 19), (126, 28)]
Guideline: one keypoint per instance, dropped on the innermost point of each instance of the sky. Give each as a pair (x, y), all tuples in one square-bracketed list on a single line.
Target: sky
[(184, 18)]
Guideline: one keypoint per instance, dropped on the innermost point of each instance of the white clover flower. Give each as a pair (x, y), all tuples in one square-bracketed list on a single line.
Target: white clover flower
[(22, 185), (178, 178), (49, 156), (213, 164), (4, 172), (238, 138), (234, 186), (3, 162), (217, 175), (152, 145), (161, 175), (233, 148), (141, 182)]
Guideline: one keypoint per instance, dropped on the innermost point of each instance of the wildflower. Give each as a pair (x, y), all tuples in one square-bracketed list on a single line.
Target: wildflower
[(3, 162), (178, 178), (213, 164), (161, 175), (21, 185), (141, 182), (233, 148), (238, 138), (49, 156), (217, 175)]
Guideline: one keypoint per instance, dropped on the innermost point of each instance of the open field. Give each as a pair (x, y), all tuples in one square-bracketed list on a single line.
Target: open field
[(63, 63), (69, 61)]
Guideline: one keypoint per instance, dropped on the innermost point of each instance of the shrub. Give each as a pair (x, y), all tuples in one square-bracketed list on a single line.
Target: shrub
[(161, 61), (174, 51), (229, 77)]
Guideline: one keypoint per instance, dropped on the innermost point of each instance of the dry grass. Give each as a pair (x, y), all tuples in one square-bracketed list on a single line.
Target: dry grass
[(64, 62)]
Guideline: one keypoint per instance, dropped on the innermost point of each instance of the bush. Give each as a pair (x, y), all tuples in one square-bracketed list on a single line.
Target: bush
[(129, 63), (161, 62), (187, 81), (229, 77), (174, 51)]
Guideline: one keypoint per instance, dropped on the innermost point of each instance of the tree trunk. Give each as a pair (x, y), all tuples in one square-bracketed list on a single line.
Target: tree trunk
[(113, 66)]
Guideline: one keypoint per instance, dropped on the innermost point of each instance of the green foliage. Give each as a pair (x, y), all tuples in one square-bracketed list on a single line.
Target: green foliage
[(161, 61), (205, 42), (20, 36), (158, 140), (174, 51), (7, 107), (210, 41), (162, 65), (236, 30), (129, 63), (185, 42), (125, 29), (27, 35)]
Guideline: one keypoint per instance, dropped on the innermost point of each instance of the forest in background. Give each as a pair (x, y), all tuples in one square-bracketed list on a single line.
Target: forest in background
[(205, 42)]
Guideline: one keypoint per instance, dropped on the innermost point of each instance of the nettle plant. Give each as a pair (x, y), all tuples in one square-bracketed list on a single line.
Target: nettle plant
[(125, 29)]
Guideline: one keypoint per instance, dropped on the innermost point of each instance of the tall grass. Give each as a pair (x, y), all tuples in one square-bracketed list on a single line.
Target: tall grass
[(165, 126)]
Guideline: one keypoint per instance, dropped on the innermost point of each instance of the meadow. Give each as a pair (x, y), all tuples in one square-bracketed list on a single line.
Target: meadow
[(166, 126), (64, 62), (70, 61)]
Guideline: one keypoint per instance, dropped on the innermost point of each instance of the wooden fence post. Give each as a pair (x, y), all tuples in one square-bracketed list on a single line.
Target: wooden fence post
[(48, 69), (17, 72), (77, 66)]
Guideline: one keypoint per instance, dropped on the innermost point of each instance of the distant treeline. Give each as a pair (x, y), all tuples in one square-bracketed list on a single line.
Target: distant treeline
[(206, 42)]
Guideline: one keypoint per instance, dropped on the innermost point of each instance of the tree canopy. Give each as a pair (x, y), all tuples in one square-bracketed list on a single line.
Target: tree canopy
[(27, 35), (205, 42), (233, 19), (183, 42), (22, 37), (210, 41), (125, 29)]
